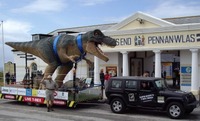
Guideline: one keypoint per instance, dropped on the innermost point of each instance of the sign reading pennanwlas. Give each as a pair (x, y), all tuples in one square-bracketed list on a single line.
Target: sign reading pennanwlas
[(140, 40)]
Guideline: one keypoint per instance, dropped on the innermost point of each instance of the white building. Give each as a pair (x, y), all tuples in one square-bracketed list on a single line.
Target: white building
[(145, 43)]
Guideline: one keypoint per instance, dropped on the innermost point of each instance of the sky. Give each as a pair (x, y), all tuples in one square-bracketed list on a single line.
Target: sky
[(22, 18)]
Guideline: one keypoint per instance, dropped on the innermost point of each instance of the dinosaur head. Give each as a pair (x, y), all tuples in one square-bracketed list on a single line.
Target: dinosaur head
[(94, 40)]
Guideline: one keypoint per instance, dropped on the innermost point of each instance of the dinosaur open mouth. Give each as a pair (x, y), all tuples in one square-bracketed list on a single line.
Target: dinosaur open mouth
[(94, 49), (97, 47)]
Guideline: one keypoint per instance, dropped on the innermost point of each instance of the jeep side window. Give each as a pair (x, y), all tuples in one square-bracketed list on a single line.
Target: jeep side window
[(161, 84), (145, 85), (116, 84), (131, 84)]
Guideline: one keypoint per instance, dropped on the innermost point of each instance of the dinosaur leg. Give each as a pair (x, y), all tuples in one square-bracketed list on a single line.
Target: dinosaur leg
[(62, 72), (49, 70)]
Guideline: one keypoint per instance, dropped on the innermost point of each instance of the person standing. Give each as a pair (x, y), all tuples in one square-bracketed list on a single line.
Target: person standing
[(164, 75), (102, 78), (107, 77), (7, 78), (178, 77), (174, 78), (51, 87), (13, 79)]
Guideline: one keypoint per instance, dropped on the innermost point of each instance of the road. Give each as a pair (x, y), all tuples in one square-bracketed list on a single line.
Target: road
[(19, 111)]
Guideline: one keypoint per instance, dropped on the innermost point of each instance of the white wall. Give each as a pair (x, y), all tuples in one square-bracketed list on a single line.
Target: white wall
[(148, 64), (113, 61), (185, 60)]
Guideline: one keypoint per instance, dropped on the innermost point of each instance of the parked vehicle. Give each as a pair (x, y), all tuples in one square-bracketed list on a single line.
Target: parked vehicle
[(148, 93)]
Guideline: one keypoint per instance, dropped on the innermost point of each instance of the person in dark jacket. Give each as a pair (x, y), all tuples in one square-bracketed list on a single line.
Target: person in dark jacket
[(8, 78), (102, 78)]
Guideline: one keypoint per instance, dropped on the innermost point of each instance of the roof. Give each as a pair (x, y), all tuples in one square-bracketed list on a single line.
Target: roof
[(83, 28), (136, 78), (184, 20), (160, 22)]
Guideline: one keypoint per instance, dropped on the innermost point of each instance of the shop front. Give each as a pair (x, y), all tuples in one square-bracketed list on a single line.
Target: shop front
[(147, 44), (158, 47)]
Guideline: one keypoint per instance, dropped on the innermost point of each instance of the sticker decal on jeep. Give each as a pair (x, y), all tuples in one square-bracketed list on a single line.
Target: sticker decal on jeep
[(131, 97), (147, 98), (161, 99)]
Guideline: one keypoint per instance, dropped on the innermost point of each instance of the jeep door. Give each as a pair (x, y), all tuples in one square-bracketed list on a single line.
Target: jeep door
[(147, 94), (131, 94)]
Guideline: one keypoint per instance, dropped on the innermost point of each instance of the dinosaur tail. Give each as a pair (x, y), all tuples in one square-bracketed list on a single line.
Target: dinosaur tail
[(27, 47)]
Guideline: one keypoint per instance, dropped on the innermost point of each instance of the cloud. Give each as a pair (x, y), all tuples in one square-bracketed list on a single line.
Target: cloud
[(175, 8), (115, 19), (93, 2), (38, 6), (14, 31)]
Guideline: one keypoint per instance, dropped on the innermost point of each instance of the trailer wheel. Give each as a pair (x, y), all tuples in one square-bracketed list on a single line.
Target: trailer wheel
[(29, 103), (117, 105), (175, 110), (37, 104)]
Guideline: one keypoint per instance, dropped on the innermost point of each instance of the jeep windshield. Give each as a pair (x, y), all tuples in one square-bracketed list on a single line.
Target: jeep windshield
[(161, 84)]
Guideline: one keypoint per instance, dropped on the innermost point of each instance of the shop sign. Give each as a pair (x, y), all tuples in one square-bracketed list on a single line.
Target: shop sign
[(28, 92), (123, 41), (5, 90), (61, 95), (140, 40), (186, 75), (33, 99), (190, 38), (59, 102), (13, 90), (21, 91), (41, 93), (9, 97)]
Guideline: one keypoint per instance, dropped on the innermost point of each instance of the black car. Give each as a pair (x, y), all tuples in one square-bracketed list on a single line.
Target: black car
[(148, 93)]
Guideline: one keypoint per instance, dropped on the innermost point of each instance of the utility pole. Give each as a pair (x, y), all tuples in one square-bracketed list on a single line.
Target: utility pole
[(3, 58)]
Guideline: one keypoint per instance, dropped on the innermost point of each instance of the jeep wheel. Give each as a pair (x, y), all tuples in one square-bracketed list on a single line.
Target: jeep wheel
[(117, 105), (175, 110)]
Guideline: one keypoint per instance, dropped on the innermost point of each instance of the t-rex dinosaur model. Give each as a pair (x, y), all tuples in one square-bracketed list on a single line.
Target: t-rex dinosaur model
[(60, 52)]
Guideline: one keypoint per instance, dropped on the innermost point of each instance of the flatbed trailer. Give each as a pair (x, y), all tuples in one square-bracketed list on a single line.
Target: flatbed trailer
[(67, 98)]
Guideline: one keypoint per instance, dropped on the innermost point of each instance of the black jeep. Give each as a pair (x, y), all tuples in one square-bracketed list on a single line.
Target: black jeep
[(148, 93)]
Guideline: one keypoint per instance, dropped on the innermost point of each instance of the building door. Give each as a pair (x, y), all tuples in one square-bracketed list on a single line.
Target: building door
[(136, 66)]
